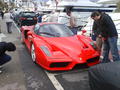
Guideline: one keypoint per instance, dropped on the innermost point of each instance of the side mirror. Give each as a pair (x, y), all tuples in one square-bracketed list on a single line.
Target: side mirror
[(83, 32)]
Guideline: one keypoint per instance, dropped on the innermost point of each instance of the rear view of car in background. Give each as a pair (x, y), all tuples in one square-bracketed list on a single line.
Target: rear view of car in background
[(27, 18)]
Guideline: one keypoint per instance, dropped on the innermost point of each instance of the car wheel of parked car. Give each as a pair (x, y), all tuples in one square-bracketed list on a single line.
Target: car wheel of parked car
[(33, 55)]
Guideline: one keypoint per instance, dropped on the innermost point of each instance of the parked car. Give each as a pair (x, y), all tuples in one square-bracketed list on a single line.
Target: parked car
[(27, 18), (54, 47), (14, 13)]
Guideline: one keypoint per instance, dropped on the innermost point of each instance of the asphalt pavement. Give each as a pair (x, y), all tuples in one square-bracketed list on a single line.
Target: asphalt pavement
[(20, 73)]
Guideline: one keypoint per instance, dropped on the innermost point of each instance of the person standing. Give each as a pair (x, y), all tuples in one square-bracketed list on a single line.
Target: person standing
[(96, 35), (39, 18), (8, 22), (109, 35), (69, 20), (2, 14), (54, 16), (72, 22)]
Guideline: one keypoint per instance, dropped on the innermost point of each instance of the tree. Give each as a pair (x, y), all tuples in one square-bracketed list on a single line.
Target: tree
[(3, 5), (12, 5)]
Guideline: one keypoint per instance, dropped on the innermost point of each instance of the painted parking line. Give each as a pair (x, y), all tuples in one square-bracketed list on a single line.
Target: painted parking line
[(16, 26), (54, 81), (52, 77), (1, 36)]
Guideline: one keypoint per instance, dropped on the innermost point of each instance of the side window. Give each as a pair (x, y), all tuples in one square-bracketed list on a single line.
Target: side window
[(36, 28)]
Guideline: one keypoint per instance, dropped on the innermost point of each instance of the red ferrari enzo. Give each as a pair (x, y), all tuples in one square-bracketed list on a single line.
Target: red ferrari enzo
[(54, 47)]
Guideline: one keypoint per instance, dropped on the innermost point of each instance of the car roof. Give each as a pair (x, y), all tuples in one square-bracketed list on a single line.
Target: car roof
[(28, 12)]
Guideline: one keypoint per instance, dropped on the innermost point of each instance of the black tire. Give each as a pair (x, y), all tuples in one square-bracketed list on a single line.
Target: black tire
[(33, 55)]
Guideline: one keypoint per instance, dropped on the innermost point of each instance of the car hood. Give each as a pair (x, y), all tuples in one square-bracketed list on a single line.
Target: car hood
[(71, 46)]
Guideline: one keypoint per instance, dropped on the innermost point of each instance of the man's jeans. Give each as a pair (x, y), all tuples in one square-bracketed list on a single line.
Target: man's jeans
[(9, 25), (110, 44), (74, 30), (4, 59)]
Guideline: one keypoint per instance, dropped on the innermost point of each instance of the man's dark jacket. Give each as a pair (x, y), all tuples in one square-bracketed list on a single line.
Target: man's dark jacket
[(96, 29), (2, 48), (106, 26)]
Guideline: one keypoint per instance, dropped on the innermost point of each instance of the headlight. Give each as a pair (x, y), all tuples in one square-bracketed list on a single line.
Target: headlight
[(93, 45), (45, 50)]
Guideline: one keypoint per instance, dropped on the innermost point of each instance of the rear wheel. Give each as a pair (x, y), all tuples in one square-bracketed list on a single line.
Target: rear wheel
[(33, 55)]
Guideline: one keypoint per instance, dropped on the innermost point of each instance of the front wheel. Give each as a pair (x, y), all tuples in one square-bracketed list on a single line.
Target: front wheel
[(33, 55)]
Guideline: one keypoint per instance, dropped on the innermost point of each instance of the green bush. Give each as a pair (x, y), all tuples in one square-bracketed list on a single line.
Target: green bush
[(3, 5)]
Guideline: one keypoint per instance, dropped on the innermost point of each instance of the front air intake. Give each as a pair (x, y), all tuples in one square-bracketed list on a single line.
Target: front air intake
[(93, 59), (59, 64)]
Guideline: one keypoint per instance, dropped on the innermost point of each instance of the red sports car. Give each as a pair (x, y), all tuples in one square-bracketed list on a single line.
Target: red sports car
[(54, 47)]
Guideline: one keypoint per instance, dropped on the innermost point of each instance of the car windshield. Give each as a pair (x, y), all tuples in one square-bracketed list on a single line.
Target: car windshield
[(55, 30), (28, 14)]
